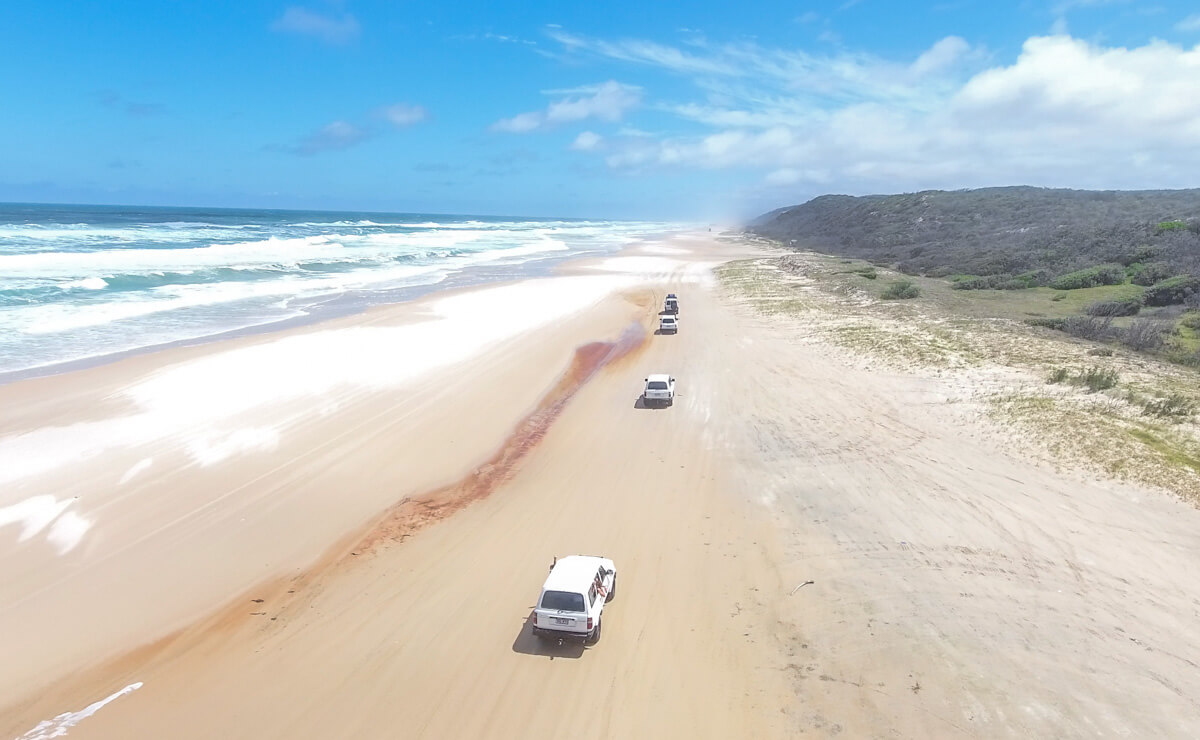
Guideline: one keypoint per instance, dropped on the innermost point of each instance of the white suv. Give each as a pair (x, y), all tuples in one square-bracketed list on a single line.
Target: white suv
[(668, 324), (573, 597), (659, 389)]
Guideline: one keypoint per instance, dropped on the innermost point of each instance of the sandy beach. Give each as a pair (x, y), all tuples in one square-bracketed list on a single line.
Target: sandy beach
[(339, 530)]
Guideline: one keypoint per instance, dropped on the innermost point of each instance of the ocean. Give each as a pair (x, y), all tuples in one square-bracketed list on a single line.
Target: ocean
[(80, 282)]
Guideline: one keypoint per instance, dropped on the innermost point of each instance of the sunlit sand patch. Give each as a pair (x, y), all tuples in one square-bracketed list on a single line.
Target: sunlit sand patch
[(193, 403), (135, 470), (67, 532), (33, 514), (212, 449), (36, 513), (59, 726)]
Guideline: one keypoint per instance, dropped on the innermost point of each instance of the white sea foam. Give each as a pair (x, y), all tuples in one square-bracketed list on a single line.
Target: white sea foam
[(59, 726), (60, 317), (91, 283)]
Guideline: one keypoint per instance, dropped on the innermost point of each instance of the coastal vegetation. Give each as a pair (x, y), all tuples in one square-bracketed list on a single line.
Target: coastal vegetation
[(1081, 384), (1120, 268)]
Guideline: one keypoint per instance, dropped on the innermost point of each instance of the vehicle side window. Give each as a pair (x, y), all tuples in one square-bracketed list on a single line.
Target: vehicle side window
[(592, 595)]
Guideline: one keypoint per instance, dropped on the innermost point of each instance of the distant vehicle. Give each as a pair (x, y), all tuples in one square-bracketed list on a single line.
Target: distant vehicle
[(573, 598), (660, 389), (671, 304), (668, 324)]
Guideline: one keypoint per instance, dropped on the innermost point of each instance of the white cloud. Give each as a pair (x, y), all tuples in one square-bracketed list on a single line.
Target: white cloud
[(1191, 23), (941, 55), (520, 123), (330, 29), (402, 115), (332, 137), (608, 101), (586, 141), (1064, 113)]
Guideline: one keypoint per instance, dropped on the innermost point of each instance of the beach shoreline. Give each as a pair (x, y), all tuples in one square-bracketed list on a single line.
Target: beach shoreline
[(809, 542), (581, 301), (338, 306)]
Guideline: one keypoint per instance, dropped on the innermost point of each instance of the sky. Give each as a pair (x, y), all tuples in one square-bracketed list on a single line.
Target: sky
[(704, 111)]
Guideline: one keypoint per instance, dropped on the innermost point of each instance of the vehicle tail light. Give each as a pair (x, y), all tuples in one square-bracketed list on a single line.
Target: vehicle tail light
[(589, 622)]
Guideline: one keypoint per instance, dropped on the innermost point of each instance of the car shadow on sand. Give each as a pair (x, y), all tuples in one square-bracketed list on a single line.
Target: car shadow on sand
[(640, 403), (527, 644)]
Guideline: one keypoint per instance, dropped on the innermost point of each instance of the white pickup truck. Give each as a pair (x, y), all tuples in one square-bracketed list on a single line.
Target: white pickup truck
[(659, 389), (573, 598), (668, 324)]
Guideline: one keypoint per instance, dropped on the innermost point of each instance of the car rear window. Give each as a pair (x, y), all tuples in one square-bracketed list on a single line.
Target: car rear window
[(563, 601), (668, 320), (657, 385)]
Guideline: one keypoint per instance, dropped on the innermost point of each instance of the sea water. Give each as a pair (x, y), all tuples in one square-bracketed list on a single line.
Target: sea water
[(80, 282)]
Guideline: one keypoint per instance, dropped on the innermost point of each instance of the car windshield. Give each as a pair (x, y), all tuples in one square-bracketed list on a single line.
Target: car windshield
[(657, 385), (563, 601)]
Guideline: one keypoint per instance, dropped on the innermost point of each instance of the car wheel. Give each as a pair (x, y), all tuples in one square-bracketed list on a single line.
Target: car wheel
[(595, 636), (612, 592)]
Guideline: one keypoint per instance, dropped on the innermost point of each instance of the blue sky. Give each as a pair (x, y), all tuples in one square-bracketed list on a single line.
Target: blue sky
[(704, 111)]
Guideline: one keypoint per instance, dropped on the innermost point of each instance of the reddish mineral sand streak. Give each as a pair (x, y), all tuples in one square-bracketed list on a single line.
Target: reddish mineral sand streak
[(411, 514)]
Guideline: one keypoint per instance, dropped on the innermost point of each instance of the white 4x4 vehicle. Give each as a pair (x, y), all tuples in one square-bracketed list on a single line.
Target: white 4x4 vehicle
[(659, 389), (573, 597), (668, 324)]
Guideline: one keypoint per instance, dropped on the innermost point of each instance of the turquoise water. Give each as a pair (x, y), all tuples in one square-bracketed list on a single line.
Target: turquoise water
[(86, 281)]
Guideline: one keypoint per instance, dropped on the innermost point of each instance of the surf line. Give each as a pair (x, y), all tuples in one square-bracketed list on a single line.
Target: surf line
[(406, 517), (58, 726)]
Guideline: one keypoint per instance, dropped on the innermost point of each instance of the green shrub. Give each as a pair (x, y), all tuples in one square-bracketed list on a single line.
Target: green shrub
[(1094, 378), (1119, 307), (1100, 352), (995, 282), (1144, 335), (1013, 284), (1049, 323), (1150, 273), (1095, 328), (1191, 320), (1059, 297), (901, 290), (1172, 226), (1034, 278), (1098, 378), (1090, 278), (1172, 290), (1144, 253), (1175, 406), (972, 282)]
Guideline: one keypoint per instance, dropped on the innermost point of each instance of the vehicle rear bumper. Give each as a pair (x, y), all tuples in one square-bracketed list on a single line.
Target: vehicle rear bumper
[(553, 634)]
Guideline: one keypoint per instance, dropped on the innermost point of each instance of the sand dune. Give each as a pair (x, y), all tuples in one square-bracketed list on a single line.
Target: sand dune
[(805, 548)]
